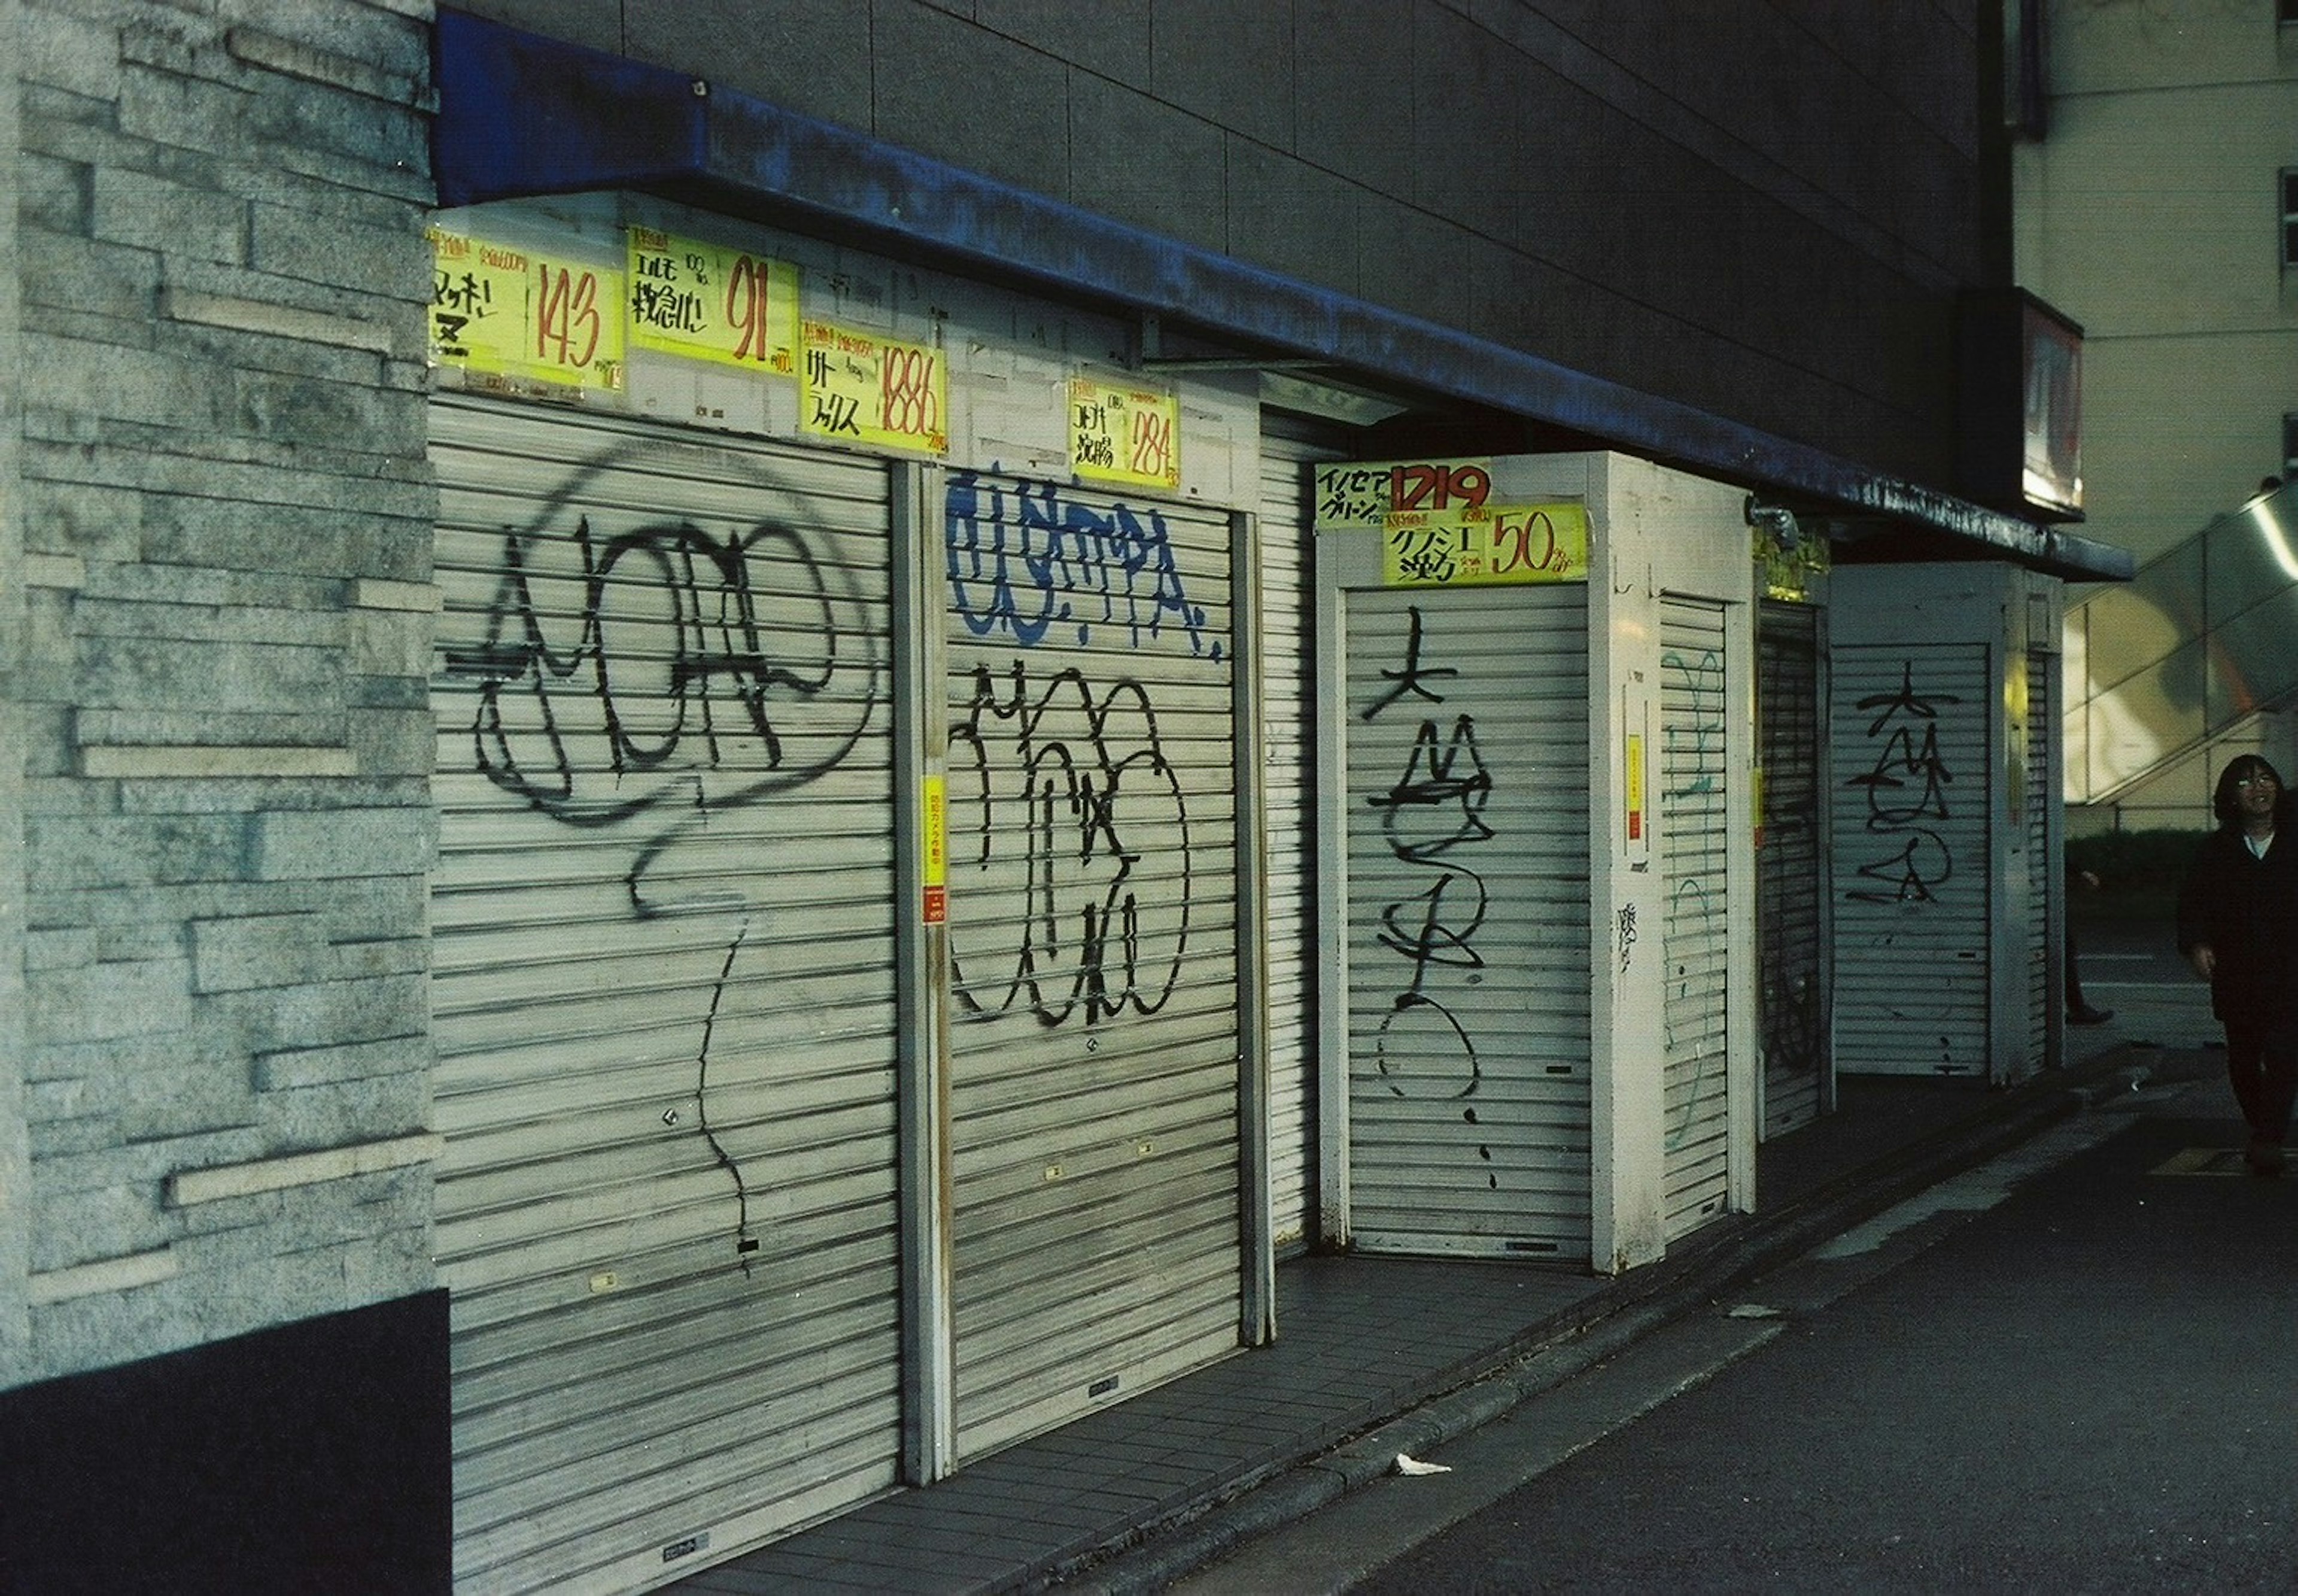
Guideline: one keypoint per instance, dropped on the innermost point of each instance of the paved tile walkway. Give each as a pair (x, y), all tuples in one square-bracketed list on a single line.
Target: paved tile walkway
[(1360, 1341)]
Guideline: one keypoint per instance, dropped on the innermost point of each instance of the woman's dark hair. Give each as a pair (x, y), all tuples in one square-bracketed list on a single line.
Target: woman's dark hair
[(2226, 802)]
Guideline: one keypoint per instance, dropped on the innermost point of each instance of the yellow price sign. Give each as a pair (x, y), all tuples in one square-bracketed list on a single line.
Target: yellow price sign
[(935, 909), (1634, 763), (710, 303), (1360, 495), (937, 831), (859, 388), (1484, 546), (1127, 435), (498, 310)]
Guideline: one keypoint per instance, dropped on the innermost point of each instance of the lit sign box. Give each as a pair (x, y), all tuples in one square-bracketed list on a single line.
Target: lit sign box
[(2021, 432)]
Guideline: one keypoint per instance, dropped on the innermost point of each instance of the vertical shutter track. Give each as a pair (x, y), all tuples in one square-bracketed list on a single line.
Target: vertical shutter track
[(1093, 905), (1466, 838), (662, 991), (1286, 659), (1696, 799), (1909, 775), (1788, 878)]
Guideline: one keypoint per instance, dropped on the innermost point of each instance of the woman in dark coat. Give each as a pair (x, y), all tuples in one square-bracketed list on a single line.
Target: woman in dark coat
[(2238, 928)]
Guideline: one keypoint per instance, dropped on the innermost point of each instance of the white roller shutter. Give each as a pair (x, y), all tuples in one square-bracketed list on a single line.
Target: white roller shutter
[(1696, 799), (1093, 905), (663, 989), (2041, 694), (1790, 886), (1467, 835), (1286, 659), (1908, 727)]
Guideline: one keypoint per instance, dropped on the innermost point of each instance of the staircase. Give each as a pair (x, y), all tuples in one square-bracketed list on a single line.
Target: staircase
[(2194, 660)]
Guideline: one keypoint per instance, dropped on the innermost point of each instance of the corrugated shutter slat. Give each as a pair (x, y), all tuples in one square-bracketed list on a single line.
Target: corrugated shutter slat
[(1696, 799), (1789, 880), (1467, 837), (1286, 656), (2042, 695), (664, 1028), (1908, 731), (1093, 914)]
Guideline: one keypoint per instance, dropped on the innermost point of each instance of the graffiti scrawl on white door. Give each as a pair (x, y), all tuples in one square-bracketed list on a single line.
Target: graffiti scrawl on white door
[(1467, 930), (1092, 943)]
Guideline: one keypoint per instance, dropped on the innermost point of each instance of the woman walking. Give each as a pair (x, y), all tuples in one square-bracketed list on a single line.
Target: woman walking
[(2238, 928)]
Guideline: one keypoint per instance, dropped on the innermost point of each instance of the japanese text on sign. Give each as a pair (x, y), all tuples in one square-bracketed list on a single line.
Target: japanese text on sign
[(1484, 546), (1128, 435), (935, 906), (859, 388), (1633, 766), (713, 304), (509, 312), (1363, 496)]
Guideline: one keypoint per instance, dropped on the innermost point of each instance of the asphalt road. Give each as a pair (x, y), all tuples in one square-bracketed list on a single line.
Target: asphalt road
[(2135, 970), (2073, 1369)]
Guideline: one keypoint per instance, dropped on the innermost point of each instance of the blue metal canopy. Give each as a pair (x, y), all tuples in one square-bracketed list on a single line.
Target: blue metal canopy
[(522, 115)]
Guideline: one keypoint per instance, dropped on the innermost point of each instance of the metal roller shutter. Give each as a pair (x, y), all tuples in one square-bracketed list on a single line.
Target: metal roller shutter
[(663, 991), (1093, 905), (1790, 893), (2041, 694), (1695, 811), (1286, 659), (1908, 728), (1467, 823)]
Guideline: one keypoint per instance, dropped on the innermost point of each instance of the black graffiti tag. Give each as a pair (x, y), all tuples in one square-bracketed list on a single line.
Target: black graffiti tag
[(663, 669), (1906, 785), (1922, 863), (1413, 678), (653, 657), (1430, 815), (1074, 791), (631, 684), (1436, 807)]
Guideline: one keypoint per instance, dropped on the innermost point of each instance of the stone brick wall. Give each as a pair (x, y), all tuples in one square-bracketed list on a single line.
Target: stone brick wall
[(15, 1151), (218, 483)]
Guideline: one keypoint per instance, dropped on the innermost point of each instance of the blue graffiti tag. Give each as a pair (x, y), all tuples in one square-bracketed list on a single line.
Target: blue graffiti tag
[(1023, 559)]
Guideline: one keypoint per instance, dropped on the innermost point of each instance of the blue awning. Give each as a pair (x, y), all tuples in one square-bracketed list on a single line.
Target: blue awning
[(521, 115)]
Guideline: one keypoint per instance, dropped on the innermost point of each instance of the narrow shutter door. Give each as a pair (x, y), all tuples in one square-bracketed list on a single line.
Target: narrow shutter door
[(1467, 825), (1788, 878), (1286, 659), (1093, 933), (662, 992), (1908, 724), (2042, 692), (1696, 799)]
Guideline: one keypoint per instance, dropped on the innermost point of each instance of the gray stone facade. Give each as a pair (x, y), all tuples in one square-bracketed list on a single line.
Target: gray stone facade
[(216, 639)]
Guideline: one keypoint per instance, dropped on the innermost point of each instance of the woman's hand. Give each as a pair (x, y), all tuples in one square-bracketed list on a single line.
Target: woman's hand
[(2203, 959)]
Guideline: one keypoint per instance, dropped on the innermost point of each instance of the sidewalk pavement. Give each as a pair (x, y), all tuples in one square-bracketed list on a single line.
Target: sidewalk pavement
[(1377, 1356)]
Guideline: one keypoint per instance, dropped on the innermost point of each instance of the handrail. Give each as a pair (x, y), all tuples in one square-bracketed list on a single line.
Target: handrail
[(2198, 642)]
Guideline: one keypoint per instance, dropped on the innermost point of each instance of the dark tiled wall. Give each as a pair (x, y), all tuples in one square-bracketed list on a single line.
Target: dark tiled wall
[(1762, 210)]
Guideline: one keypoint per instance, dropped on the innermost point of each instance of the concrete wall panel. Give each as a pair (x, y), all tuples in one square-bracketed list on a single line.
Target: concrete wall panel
[(974, 97), (1141, 161), (1230, 64)]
